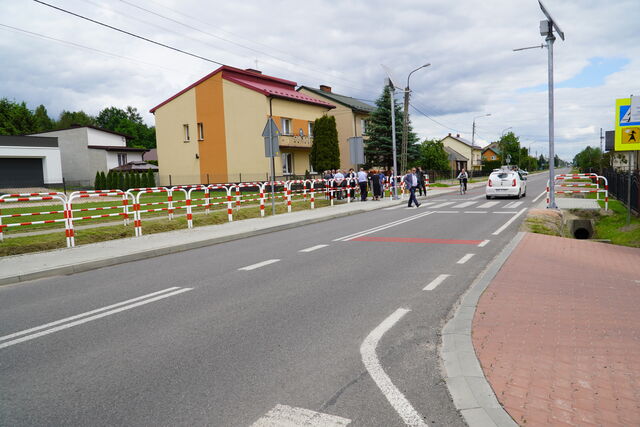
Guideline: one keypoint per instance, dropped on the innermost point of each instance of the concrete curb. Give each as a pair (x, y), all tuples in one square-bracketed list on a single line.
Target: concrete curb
[(471, 393)]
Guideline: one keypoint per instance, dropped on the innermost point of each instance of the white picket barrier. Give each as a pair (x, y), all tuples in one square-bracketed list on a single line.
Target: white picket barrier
[(586, 188), (36, 197)]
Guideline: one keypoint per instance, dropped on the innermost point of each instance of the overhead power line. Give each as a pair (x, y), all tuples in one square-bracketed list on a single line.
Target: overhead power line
[(128, 33), (435, 121)]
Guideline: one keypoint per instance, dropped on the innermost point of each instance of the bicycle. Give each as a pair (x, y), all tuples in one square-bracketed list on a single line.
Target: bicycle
[(462, 190)]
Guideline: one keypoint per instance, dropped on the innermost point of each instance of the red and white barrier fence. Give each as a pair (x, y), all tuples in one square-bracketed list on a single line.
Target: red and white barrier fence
[(592, 187), (132, 203)]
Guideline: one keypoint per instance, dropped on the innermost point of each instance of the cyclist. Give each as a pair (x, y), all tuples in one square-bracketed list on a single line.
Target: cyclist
[(463, 177)]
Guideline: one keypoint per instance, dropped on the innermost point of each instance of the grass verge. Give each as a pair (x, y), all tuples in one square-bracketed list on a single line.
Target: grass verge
[(613, 226), (55, 240)]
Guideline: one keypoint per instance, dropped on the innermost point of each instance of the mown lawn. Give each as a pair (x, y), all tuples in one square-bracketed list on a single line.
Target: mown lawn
[(614, 226)]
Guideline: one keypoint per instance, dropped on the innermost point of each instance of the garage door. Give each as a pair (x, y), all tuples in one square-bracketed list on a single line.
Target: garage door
[(16, 172)]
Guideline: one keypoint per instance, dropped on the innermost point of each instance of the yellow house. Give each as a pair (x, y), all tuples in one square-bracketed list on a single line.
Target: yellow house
[(472, 153), (211, 131), (351, 118)]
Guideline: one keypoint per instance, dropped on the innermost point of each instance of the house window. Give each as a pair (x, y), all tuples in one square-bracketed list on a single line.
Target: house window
[(493, 157), (363, 126), (200, 132), (186, 133), (286, 126), (287, 163), (310, 130), (122, 159)]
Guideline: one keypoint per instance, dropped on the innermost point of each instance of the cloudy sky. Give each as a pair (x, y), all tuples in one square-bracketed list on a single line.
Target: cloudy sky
[(50, 57)]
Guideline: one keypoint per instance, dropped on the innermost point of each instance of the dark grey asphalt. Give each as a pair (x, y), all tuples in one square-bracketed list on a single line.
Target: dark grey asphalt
[(241, 342)]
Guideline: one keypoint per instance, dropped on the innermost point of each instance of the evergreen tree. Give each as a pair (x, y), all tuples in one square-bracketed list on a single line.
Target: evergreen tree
[(325, 151), (151, 179), (42, 121), (143, 180), (96, 182), (121, 181), (137, 179), (433, 156), (378, 149), (103, 181), (69, 118), (127, 181), (109, 180)]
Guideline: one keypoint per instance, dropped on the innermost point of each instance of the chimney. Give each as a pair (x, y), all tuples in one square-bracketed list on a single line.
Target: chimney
[(325, 88), (449, 133), (251, 70), (457, 135)]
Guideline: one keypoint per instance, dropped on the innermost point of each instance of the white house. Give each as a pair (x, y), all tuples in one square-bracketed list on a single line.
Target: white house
[(29, 161), (86, 150)]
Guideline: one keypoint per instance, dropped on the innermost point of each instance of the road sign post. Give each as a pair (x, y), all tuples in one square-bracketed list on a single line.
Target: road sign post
[(271, 146)]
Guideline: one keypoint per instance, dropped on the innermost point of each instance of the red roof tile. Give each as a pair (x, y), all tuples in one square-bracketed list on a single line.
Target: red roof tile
[(267, 85)]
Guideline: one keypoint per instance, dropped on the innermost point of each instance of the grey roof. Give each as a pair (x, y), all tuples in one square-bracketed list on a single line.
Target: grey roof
[(28, 141), (347, 101), (454, 155)]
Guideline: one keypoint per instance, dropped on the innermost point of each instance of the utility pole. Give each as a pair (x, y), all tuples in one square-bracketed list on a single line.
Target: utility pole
[(393, 139)]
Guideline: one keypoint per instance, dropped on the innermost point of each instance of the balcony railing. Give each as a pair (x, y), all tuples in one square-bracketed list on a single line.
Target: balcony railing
[(295, 141)]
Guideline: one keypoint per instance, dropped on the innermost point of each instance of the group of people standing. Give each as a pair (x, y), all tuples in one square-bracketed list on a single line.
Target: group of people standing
[(372, 180)]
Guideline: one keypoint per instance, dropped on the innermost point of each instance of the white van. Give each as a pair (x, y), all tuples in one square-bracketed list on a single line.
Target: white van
[(506, 183)]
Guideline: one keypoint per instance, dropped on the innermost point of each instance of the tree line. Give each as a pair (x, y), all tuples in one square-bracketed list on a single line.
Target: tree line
[(124, 180), (17, 119)]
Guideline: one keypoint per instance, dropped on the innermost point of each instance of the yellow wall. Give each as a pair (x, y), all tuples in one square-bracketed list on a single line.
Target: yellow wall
[(176, 157), (213, 148), (345, 125)]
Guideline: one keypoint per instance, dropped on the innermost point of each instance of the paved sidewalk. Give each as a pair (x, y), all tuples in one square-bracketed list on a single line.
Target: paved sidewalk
[(19, 268), (557, 335)]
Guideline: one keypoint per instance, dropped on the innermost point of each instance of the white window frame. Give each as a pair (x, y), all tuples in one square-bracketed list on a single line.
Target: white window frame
[(287, 165), (286, 126), (363, 126), (310, 129), (200, 131), (185, 129)]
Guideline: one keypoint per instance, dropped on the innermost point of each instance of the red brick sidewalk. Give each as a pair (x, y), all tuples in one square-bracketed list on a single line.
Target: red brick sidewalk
[(557, 333)]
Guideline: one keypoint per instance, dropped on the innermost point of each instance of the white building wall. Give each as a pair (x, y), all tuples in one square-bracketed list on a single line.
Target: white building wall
[(112, 158), (51, 160), (97, 137)]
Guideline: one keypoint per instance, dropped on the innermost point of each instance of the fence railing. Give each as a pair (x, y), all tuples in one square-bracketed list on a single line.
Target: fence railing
[(138, 201), (619, 187)]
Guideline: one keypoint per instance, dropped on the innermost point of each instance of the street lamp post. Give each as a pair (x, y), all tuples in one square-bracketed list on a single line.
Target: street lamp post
[(394, 172), (405, 121), (473, 131)]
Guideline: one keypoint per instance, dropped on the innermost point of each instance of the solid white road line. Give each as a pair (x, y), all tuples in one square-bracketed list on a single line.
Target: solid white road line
[(88, 313), (313, 248), (381, 227), (395, 397), (90, 318), (483, 243), (463, 205), (506, 224), (435, 282), (288, 416), (465, 258), (539, 195), (488, 204), (258, 265), (506, 212)]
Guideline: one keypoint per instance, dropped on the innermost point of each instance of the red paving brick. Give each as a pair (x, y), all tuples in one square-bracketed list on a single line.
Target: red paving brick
[(557, 333)]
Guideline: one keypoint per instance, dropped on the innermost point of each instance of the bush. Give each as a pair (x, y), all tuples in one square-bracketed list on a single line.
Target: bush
[(97, 182)]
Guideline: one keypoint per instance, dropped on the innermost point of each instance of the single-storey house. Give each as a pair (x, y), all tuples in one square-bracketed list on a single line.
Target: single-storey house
[(29, 161)]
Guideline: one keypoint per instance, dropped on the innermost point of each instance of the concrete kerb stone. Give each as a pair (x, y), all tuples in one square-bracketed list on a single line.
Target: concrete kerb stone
[(471, 393)]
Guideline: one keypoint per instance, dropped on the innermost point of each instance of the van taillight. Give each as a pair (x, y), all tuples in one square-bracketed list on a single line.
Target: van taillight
[(513, 184)]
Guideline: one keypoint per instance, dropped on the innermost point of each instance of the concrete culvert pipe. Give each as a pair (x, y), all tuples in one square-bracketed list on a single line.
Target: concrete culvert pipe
[(581, 228), (581, 233)]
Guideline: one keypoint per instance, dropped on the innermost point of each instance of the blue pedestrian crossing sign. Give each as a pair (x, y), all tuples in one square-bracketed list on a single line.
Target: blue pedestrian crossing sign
[(627, 134)]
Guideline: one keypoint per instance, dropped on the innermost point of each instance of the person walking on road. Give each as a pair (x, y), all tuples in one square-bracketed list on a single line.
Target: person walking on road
[(362, 182), (421, 186), (411, 182), (463, 176)]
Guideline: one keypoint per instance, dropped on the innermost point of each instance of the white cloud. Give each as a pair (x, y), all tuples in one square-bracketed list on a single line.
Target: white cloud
[(469, 44)]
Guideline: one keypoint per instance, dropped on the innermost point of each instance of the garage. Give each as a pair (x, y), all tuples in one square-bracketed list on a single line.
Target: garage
[(16, 172), (29, 162)]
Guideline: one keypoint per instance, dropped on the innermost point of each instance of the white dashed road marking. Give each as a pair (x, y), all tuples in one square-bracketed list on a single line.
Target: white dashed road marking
[(258, 265), (435, 282), (483, 243), (313, 248), (539, 195), (465, 258)]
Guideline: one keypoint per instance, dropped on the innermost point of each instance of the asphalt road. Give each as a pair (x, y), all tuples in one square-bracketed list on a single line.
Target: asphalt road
[(227, 335)]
